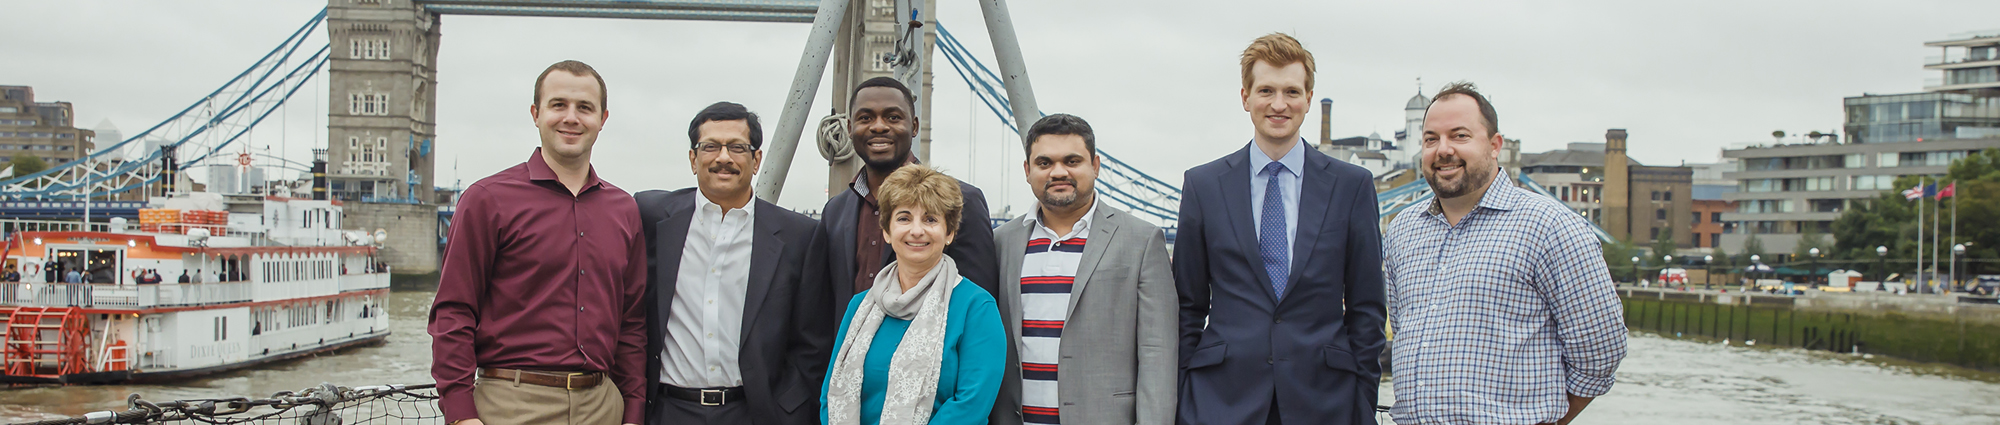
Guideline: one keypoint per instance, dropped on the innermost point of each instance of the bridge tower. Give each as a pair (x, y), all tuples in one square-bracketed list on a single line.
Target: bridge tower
[(382, 100)]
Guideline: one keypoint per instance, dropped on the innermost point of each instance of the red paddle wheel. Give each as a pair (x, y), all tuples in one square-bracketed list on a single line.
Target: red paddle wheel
[(45, 342)]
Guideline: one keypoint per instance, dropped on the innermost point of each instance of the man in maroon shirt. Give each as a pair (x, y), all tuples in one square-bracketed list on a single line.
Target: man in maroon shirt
[(539, 297)]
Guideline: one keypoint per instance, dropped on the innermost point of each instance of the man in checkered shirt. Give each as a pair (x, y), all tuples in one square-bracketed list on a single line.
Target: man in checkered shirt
[(1502, 307)]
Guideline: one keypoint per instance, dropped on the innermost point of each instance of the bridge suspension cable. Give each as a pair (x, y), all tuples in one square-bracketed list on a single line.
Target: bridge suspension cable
[(205, 127)]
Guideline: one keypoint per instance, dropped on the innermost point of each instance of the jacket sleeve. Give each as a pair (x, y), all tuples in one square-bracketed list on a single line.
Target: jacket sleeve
[(973, 248), (1191, 270), (1159, 343), (1365, 287), (982, 360), (812, 337), (454, 321)]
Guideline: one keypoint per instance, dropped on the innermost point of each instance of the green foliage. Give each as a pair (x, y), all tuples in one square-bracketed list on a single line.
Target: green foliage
[(1618, 258), (1812, 239), (1662, 246), (1721, 259), (25, 164), (1752, 246), (1890, 220)]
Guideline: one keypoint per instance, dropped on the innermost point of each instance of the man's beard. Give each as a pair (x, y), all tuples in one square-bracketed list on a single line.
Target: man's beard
[(1470, 178), (1060, 200), (896, 160)]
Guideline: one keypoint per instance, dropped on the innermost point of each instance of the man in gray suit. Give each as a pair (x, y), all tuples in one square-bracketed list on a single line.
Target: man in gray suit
[(1087, 293)]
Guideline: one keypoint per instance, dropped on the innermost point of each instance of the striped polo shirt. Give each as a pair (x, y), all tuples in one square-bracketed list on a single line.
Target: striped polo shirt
[(1047, 271)]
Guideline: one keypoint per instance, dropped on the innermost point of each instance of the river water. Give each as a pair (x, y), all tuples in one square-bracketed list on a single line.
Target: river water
[(1662, 381)]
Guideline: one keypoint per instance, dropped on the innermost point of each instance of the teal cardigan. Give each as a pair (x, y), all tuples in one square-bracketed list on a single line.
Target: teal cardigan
[(975, 358)]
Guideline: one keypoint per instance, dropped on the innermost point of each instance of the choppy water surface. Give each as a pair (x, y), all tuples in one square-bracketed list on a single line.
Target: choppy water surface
[(1663, 381)]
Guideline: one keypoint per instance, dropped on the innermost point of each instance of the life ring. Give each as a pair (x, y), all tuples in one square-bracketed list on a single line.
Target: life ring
[(136, 273), (37, 268)]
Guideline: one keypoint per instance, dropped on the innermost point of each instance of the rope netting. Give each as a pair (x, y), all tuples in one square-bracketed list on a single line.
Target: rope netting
[(324, 405)]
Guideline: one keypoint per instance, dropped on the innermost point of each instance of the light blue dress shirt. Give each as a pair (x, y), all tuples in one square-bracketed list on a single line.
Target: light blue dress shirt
[(1288, 182)]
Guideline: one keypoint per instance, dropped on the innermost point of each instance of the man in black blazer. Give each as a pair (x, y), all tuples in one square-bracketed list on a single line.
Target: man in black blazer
[(881, 125), (737, 330)]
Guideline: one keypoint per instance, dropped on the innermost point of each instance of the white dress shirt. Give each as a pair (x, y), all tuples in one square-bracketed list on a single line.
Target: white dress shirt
[(705, 327)]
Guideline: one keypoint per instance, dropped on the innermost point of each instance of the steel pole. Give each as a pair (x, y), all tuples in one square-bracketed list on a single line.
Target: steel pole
[(798, 102), (1013, 69)]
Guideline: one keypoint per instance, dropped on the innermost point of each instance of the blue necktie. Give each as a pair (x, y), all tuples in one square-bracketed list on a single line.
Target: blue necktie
[(1271, 240)]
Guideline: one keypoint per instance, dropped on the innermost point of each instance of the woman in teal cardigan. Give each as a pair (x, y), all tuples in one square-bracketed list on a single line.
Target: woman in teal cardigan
[(923, 345)]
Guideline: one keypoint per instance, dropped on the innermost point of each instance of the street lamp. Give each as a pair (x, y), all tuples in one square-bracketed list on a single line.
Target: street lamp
[(1881, 265), (1957, 251), (1635, 269), (1812, 278), (1707, 263), (1755, 262), (1666, 261)]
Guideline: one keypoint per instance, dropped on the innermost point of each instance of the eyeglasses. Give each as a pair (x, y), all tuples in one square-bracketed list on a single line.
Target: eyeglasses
[(734, 148)]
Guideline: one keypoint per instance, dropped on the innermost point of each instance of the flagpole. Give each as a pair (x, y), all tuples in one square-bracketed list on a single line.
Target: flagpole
[(1919, 276), (1954, 230), (1936, 227)]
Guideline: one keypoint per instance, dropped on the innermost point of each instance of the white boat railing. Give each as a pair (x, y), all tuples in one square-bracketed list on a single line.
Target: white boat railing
[(363, 281), (95, 295), (193, 294)]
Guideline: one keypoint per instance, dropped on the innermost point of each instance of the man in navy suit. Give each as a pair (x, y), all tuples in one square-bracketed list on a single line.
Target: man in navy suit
[(1279, 265)]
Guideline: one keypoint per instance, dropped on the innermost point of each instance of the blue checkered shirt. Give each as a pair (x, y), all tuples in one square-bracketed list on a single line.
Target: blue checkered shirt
[(1495, 319)]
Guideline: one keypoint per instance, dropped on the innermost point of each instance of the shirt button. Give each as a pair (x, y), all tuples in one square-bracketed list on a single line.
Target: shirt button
[(579, 234), (1278, 321), (579, 309), (871, 243), (1268, 360)]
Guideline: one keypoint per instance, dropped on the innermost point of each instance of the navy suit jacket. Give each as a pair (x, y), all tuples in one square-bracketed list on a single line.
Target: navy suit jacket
[(1241, 346)]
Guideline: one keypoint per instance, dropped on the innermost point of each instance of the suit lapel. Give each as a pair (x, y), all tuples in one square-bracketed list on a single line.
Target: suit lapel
[(672, 238), (1316, 190), (1012, 242), (1236, 199), (1101, 231), (766, 248)]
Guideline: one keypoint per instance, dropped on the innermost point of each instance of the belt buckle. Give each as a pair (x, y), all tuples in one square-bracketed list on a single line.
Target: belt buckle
[(569, 381), (720, 397)]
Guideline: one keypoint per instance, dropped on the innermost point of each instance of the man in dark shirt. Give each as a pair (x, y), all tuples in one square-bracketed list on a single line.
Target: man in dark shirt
[(539, 296), (881, 124)]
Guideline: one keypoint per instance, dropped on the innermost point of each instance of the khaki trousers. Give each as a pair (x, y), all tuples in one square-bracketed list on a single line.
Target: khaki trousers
[(504, 402)]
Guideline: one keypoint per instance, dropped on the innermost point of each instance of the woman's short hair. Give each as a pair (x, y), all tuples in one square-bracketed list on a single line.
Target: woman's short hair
[(921, 186)]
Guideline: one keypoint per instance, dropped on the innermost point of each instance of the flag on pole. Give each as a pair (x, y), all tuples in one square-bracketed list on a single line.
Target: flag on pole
[(1914, 193), (1930, 190), (1949, 190)]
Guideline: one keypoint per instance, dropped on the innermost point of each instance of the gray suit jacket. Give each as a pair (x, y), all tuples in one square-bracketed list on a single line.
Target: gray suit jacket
[(1119, 359)]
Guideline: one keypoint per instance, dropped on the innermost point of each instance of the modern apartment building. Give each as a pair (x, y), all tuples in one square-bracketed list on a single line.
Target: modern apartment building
[(1787, 190)]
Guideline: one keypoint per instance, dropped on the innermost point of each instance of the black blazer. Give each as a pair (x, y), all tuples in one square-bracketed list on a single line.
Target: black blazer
[(786, 337), (972, 249)]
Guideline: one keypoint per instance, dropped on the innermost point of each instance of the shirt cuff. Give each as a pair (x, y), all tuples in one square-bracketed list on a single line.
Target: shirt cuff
[(458, 406), (1583, 384), (635, 410)]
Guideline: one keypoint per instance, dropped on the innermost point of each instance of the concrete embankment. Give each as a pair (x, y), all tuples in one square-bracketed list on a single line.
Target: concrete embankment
[(1926, 328)]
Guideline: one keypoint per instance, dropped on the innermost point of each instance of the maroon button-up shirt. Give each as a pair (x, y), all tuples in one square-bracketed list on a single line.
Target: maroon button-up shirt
[(537, 279)]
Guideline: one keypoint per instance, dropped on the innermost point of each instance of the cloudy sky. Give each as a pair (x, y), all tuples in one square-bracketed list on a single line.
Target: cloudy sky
[(1158, 79)]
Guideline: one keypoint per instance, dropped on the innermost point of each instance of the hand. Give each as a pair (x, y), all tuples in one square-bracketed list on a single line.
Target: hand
[(473, 421)]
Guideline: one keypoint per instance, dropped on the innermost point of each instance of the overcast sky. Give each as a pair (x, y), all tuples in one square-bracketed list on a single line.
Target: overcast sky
[(1157, 79)]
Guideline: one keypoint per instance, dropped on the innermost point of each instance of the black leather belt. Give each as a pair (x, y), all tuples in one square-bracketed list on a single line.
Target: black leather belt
[(705, 396)]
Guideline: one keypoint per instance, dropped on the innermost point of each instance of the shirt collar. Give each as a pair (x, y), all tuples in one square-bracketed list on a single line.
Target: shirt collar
[(860, 183), (1082, 224), (538, 169), (1500, 195), (1294, 159)]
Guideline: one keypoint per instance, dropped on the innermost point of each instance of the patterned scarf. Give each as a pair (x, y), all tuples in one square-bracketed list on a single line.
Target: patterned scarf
[(913, 371)]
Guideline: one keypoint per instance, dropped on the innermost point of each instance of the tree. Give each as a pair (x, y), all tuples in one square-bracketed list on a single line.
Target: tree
[(1752, 246), (1618, 258), (1811, 239), (1890, 220), (1779, 135), (1721, 265), (1664, 245), (25, 164)]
